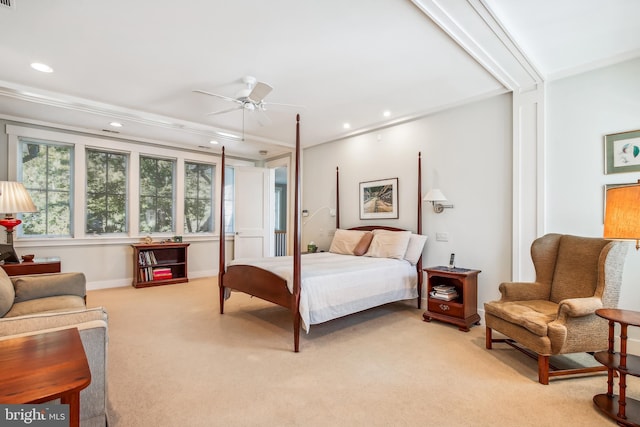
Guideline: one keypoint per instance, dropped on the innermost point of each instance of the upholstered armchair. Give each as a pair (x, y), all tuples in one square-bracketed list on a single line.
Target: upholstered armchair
[(556, 314)]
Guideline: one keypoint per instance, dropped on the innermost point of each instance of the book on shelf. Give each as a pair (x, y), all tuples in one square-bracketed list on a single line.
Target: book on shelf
[(162, 273), (444, 296), (444, 288), (147, 258)]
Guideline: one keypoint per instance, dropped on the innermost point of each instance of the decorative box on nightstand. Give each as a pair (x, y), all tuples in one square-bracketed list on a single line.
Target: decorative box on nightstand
[(452, 296)]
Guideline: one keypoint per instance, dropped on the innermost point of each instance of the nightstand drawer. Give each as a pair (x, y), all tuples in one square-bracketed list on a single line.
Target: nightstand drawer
[(450, 308)]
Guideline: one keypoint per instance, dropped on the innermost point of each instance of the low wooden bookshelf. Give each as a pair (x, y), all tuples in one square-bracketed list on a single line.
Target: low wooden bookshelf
[(157, 264)]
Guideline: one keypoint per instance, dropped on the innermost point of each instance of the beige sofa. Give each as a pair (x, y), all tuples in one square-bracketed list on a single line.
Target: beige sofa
[(39, 293), (49, 302)]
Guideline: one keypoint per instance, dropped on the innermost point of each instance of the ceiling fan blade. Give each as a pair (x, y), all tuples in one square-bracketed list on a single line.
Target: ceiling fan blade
[(277, 104), (226, 98), (262, 118), (225, 111), (259, 91)]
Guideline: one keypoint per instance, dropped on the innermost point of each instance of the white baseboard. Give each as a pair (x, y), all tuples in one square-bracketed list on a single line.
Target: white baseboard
[(106, 284)]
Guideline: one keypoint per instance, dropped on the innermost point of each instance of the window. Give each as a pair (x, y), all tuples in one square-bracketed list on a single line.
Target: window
[(156, 194), (47, 173), (106, 210), (198, 197), (229, 188)]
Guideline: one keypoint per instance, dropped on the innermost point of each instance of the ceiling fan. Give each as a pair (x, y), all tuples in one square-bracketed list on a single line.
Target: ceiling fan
[(251, 99)]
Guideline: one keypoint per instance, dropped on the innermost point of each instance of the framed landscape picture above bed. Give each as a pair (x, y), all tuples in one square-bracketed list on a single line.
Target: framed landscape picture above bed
[(379, 199)]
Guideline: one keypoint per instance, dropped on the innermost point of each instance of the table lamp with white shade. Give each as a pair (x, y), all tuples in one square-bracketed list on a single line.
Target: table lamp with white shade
[(14, 199)]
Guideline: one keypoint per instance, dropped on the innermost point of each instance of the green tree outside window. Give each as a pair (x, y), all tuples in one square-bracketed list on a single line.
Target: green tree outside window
[(106, 192), (198, 197), (156, 195), (47, 173)]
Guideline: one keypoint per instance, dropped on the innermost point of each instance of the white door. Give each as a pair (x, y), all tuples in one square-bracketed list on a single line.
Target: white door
[(253, 200)]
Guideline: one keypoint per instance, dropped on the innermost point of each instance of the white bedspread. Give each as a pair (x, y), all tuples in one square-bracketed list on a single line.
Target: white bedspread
[(336, 285)]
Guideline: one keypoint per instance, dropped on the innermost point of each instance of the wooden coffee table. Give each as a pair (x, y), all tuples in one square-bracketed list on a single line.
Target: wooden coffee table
[(39, 368)]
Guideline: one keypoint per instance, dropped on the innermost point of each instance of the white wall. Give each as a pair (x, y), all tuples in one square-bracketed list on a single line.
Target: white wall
[(466, 153), (581, 110)]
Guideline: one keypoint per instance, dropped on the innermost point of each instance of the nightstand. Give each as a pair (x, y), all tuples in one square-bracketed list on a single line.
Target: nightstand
[(452, 296)]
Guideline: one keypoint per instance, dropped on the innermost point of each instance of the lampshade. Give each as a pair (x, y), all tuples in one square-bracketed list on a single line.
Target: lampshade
[(14, 198), (622, 213), (435, 195)]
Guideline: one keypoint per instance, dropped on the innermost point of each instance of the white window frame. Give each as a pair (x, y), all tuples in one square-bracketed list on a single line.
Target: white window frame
[(134, 149)]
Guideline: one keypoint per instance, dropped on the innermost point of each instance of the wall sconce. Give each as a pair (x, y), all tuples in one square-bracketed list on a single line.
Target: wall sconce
[(305, 213), (436, 198)]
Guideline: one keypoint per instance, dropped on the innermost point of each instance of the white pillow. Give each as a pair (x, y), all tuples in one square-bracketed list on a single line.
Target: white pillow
[(345, 241), (415, 247), (389, 244)]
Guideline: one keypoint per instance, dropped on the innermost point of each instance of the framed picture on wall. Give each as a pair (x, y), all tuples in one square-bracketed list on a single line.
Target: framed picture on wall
[(622, 152), (379, 199)]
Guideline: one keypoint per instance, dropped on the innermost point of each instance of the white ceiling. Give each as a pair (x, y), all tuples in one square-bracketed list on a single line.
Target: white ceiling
[(138, 62)]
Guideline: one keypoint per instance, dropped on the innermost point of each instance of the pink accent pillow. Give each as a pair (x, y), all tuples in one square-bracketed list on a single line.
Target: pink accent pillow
[(363, 245)]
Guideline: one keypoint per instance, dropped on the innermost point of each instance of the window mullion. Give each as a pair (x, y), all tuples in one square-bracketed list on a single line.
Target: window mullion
[(79, 195)]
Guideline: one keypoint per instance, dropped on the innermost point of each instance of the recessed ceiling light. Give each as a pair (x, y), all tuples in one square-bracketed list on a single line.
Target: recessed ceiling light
[(41, 67), (116, 124), (346, 126), (386, 113), (214, 142)]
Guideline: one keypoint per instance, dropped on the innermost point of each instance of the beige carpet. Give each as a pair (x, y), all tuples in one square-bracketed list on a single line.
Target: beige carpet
[(175, 361)]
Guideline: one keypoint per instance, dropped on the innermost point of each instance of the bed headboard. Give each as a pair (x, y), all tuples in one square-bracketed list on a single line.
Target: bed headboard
[(377, 227)]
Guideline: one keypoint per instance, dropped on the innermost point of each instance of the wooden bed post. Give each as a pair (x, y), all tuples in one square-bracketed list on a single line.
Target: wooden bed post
[(337, 198), (419, 264), (297, 255), (222, 263)]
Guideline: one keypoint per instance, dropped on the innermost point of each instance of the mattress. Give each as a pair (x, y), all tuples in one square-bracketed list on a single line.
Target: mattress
[(336, 285)]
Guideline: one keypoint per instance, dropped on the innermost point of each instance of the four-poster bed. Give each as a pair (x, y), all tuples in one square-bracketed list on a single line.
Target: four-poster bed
[(335, 284)]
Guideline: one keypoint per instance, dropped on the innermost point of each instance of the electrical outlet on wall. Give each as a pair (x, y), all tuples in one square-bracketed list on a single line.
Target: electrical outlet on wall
[(442, 237)]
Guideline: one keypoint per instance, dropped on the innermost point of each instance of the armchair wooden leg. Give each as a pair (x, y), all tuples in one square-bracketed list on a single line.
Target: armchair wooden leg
[(488, 340), (543, 369)]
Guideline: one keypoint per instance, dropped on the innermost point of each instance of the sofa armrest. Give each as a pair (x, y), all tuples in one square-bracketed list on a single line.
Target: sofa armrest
[(42, 322), (47, 285), (578, 307), (523, 291), (93, 327)]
